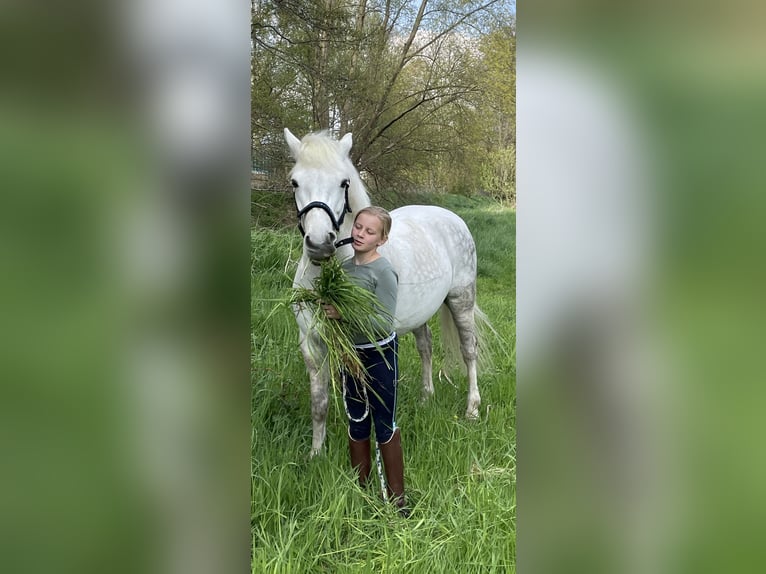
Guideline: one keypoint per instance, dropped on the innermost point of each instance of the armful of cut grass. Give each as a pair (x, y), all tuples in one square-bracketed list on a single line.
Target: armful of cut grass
[(360, 313)]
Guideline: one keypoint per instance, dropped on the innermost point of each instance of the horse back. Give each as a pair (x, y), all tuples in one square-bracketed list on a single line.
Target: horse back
[(433, 253)]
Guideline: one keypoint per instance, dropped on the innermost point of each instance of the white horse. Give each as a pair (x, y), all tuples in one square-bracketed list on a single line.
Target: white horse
[(430, 248)]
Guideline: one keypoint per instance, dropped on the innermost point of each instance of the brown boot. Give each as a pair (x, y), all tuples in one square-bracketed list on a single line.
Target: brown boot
[(360, 458), (393, 462)]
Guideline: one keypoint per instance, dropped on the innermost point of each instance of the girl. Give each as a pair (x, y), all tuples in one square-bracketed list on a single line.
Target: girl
[(374, 398)]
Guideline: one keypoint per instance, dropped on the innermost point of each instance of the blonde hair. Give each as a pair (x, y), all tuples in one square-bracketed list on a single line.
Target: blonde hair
[(381, 214)]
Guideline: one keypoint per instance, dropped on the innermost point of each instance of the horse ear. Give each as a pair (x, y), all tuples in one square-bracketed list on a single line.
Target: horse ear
[(292, 142), (345, 143)]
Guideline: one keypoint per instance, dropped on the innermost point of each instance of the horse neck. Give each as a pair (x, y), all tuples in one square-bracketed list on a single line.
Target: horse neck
[(305, 272), (358, 196)]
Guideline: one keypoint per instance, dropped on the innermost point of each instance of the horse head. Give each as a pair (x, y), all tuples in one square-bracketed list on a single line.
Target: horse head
[(321, 178)]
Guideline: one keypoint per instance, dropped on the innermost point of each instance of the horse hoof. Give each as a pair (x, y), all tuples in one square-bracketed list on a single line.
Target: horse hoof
[(472, 414)]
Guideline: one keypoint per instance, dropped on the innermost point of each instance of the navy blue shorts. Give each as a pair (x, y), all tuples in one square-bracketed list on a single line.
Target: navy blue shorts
[(374, 400)]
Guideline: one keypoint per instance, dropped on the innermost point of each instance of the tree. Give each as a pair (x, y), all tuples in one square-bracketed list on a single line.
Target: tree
[(498, 170), (402, 75)]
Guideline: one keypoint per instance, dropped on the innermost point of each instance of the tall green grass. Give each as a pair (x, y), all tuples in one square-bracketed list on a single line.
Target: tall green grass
[(308, 514)]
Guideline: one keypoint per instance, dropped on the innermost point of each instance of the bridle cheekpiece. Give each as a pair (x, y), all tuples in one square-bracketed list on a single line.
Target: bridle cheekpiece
[(336, 221)]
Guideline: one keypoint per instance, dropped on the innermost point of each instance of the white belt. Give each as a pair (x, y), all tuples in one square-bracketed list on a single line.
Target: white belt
[(380, 343)]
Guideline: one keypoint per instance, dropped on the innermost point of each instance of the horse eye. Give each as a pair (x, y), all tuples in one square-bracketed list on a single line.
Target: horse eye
[(294, 183)]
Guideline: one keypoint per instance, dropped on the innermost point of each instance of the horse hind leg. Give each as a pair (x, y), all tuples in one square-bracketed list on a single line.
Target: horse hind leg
[(461, 305), (425, 350)]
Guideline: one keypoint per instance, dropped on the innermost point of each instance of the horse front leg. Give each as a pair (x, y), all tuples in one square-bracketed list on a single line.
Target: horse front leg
[(319, 403), (425, 350), (318, 378)]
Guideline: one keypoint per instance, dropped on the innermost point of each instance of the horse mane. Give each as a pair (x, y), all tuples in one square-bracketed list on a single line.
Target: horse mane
[(320, 150)]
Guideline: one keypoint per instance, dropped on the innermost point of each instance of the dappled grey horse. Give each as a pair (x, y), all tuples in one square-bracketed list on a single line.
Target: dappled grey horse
[(430, 248)]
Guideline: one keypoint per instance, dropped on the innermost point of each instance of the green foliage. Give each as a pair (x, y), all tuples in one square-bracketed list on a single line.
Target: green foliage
[(274, 209), (498, 80), (497, 170), (498, 175), (481, 129), (309, 515)]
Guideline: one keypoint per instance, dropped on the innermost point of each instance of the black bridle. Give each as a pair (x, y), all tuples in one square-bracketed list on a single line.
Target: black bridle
[(336, 221)]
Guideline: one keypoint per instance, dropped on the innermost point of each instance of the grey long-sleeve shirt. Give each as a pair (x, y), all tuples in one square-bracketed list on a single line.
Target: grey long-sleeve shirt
[(379, 278)]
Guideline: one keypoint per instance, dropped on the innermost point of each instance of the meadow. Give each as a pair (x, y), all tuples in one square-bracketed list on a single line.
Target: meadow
[(308, 514)]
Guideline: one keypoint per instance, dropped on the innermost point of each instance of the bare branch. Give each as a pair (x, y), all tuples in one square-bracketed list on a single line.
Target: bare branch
[(464, 16)]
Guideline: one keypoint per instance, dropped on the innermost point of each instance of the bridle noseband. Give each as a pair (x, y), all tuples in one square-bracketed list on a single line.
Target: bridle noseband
[(336, 221)]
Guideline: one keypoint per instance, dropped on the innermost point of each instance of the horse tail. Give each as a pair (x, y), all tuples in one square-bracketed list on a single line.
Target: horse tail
[(451, 341), (485, 335)]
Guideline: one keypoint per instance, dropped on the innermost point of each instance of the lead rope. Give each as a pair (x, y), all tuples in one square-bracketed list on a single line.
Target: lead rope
[(383, 488), (366, 402)]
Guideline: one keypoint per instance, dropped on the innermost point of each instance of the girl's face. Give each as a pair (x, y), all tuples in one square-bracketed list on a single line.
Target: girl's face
[(367, 233)]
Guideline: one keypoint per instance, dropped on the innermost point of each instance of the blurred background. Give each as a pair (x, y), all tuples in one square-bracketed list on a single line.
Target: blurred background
[(125, 249), (640, 200), (125, 169)]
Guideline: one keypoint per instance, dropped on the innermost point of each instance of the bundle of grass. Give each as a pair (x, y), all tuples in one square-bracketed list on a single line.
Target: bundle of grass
[(359, 310)]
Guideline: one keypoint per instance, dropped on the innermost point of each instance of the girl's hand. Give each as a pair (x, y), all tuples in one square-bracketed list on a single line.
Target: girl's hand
[(331, 311)]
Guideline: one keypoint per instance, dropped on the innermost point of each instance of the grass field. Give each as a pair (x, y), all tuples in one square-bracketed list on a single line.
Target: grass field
[(308, 515)]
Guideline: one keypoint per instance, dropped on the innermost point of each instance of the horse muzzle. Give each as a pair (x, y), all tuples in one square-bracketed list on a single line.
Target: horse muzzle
[(318, 252)]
